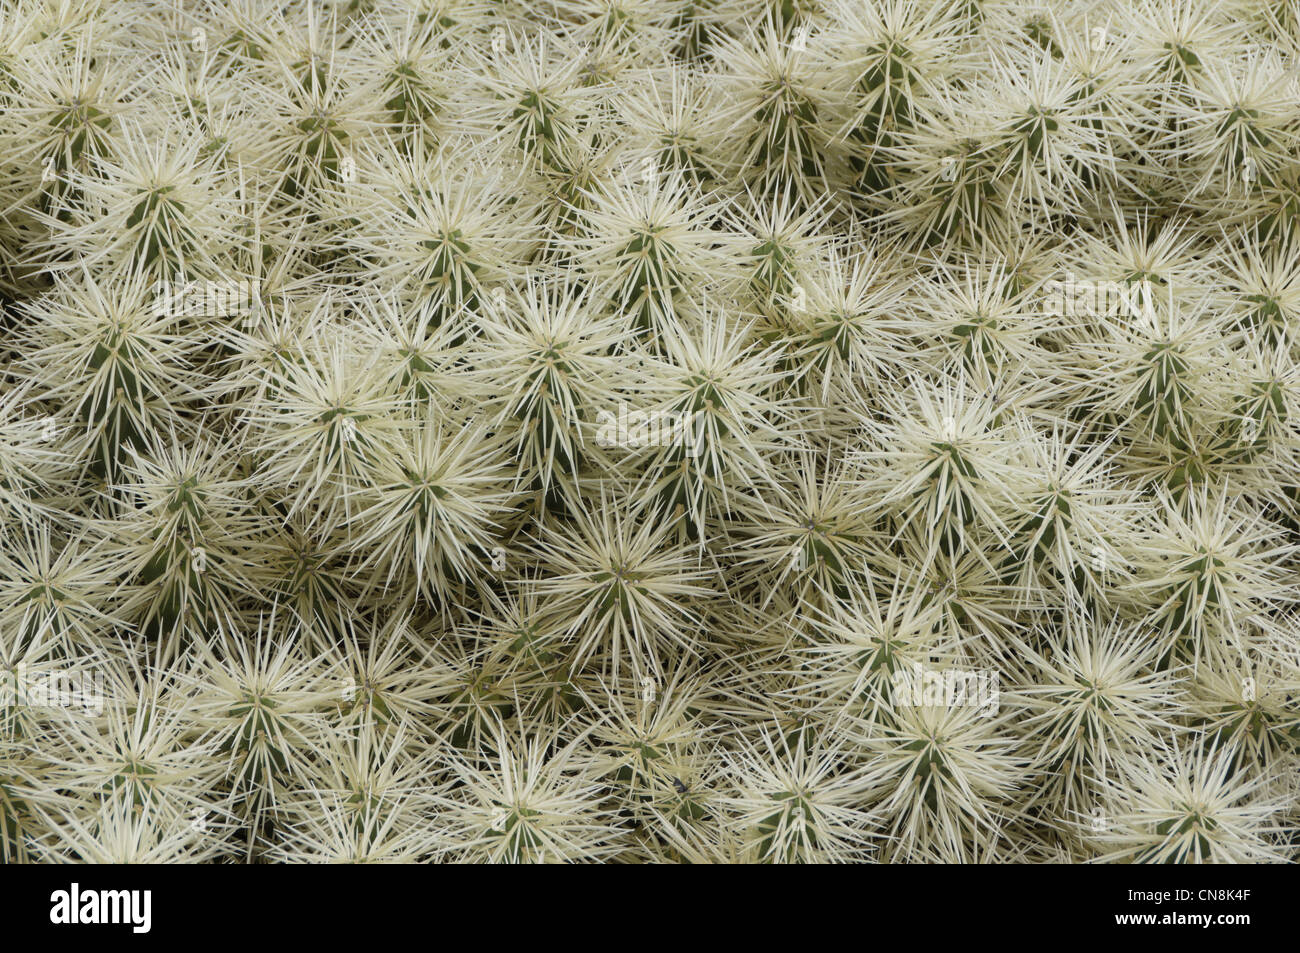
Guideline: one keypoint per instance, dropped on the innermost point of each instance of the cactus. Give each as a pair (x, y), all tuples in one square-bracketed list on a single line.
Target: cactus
[(649, 431)]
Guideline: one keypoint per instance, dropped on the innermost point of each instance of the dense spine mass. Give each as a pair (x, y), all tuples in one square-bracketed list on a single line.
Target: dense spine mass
[(649, 431)]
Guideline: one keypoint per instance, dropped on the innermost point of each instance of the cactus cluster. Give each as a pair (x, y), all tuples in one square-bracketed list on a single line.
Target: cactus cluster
[(696, 431)]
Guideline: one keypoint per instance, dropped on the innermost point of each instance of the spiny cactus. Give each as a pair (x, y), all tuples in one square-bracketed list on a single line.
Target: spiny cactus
[(655, 431)]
